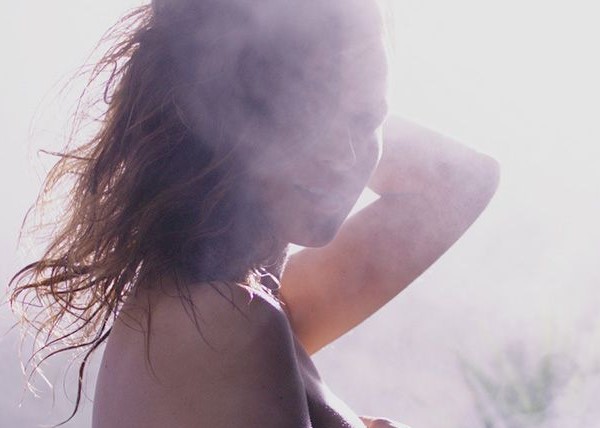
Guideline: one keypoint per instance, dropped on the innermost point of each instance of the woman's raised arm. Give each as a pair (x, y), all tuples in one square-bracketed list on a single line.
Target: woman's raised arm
[(431, 190)]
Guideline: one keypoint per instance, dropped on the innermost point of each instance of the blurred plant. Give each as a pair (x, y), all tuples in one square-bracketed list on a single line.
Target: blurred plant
[(517, 392)]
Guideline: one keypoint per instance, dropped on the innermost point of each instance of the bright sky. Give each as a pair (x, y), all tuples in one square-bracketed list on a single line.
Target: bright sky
[(515, 79)]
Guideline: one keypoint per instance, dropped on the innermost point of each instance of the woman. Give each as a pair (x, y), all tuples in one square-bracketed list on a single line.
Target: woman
[(234, 128)]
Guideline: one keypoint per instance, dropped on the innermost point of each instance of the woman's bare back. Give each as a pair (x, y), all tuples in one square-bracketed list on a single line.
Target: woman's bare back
[(234, 361)]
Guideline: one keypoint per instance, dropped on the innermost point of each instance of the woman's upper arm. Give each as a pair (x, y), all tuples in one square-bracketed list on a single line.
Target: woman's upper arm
[(388, 244)]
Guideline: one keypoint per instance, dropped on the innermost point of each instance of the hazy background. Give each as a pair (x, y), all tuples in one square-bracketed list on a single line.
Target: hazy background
[(503, 330)]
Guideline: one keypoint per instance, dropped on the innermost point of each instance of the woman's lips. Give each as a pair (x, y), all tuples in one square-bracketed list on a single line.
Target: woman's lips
[(324, 200)]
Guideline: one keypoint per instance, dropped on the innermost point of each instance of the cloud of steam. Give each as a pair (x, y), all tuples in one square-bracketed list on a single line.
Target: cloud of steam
[(515, 79)]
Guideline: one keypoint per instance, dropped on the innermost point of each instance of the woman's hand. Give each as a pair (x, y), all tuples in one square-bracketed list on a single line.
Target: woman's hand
[(372, 422)]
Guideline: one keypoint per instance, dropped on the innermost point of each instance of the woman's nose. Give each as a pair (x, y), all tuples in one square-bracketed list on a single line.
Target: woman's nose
[(339, 153)]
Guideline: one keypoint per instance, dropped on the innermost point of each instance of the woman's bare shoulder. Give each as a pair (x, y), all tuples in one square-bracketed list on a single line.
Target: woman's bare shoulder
[(220, 356), (211, 322), (238, 311)]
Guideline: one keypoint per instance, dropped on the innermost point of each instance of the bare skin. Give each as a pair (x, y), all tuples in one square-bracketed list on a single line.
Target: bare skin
[(246, 361), (431, 190), (247, 370)]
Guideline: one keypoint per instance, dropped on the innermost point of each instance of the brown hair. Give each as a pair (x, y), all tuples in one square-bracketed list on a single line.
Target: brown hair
[(159, 190)]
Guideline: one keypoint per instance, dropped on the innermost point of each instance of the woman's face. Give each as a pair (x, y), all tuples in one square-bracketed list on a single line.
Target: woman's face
[(320, 138)]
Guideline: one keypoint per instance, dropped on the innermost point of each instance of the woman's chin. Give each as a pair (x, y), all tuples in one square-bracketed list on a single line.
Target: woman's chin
[(317, 234)]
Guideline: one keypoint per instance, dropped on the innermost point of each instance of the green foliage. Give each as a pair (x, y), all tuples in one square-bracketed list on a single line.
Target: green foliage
[(516, 392)]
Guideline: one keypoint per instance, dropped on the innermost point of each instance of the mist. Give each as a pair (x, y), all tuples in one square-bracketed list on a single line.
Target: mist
[(502, 330)]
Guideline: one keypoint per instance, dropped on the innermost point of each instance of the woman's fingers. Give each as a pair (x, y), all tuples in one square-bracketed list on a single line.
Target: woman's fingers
[(387, 423), (371, 422)]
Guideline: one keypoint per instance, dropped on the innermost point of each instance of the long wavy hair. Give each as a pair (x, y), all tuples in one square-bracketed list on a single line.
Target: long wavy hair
[(161, 188)]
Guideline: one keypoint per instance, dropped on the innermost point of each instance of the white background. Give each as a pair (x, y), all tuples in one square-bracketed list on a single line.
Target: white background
[(515, 300)]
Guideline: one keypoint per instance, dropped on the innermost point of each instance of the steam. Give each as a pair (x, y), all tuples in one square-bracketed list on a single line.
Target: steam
[(508, 317)]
